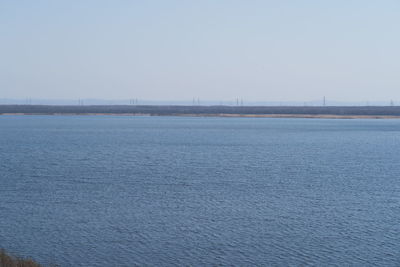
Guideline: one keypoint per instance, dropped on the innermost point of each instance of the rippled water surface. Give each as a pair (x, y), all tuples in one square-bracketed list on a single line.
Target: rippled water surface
[(125, 191)]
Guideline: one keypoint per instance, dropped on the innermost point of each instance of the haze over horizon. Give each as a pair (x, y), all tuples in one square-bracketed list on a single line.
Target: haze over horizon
[(212, 50)]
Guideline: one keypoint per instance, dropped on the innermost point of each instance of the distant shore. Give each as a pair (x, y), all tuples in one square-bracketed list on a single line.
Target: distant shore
[(299, 116), (323, 112)]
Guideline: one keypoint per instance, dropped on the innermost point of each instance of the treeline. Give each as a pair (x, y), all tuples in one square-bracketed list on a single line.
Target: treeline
[(202, 110)]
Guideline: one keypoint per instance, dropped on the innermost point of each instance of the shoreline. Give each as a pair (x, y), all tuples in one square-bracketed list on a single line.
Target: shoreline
[(318, 112), (287, 116)]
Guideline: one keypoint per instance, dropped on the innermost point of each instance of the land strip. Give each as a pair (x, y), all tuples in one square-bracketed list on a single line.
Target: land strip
[(338, 112)]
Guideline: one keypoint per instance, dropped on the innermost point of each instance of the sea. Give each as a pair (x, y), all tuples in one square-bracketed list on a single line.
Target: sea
[(200, 191)]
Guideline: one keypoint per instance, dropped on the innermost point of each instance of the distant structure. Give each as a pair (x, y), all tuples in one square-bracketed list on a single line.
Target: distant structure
[(324, 102), (133, 101), (391, 103)]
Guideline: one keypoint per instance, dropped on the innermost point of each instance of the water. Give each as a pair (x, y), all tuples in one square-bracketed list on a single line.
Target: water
[(163, 191)]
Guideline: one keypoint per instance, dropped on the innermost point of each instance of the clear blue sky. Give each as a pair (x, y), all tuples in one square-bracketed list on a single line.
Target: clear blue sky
[(211, 49)]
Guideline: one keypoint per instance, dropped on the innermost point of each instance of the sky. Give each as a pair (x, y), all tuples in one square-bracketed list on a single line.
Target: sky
[(256, 50)]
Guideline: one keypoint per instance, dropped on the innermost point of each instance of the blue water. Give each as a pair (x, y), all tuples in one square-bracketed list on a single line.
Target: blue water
[(163, 191)]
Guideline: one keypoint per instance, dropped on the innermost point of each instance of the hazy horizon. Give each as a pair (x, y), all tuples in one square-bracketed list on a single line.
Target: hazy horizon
[(259, 51), (195, 102)]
